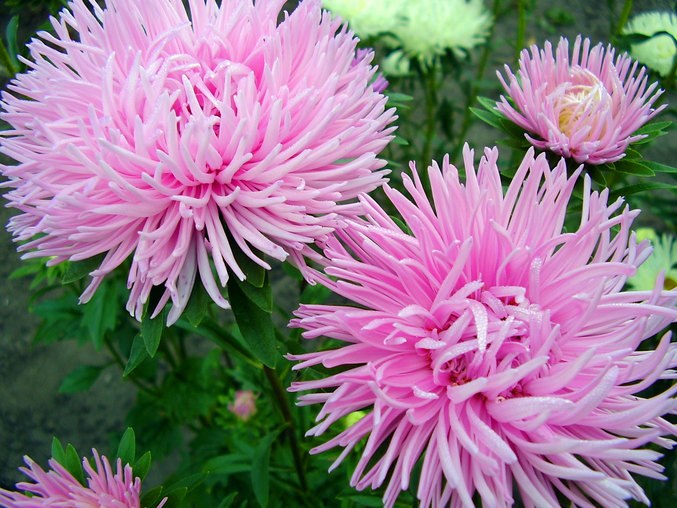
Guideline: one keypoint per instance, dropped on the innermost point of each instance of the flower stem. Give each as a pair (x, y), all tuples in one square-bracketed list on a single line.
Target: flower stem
[(430, 91), (521, 28), (474, 90), (625, 14), (280, 397), (121, 363)]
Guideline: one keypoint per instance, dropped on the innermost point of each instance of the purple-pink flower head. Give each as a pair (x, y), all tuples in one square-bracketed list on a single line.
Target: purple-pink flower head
[(174, 136), (492, 347), (585, 106), (58, 488)]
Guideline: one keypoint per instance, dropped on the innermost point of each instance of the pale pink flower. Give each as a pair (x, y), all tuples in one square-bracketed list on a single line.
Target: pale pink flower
[(492, 345), (58, 488), (244, 405), (172, 136), (585, 106)]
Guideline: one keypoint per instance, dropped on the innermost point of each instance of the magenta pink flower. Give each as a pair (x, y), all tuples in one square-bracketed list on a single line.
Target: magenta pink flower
[(491, 345), (585, 107), (173, 137), (58, 488)]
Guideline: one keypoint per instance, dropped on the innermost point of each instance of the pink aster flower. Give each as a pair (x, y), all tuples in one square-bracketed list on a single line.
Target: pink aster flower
[(172, 137), (491, 346), (244, 405), (58, 488), (585, 107)]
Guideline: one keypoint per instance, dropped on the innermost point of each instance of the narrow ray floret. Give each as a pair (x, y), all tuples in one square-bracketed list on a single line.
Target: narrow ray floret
[(586, 105), (174, 135), (491, 346), (106, 487)]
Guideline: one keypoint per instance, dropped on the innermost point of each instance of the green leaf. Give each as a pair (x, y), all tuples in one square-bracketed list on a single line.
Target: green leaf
[(217, 334), (399, 97), (260, 468), (12, 45), (255, 324), (127, 447), (76, 270), (137, 354), (261, 296), (653, 127), (175, 500), (361, 500), (99, 314), (633, 167), (641, 187), (81, 379), (198, 305), (151, 331), (487, 117), (659, 167), (73, 464), (152, 498), (228, 501), (254, 273), (488, 104), (228, 464), (142, 465), (58, 452)]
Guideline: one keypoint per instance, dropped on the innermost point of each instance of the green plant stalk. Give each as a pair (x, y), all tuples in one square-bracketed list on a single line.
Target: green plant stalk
[(669, 81), (623, 19), (121, 363), (430, 90), (283, 403), (521, 28), (474, 90)]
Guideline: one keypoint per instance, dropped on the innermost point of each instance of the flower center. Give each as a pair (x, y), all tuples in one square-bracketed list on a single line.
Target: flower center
[(584, 94)]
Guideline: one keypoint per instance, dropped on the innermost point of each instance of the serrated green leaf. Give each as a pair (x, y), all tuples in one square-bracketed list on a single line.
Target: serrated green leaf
[(260, 469), (58, 453), (76, 270), (142, 465), (255, 325), (198, 305), (137, 354), (633, 167), (73, 464), (261, 296), (127, 447), (151, 331), (81, 379)]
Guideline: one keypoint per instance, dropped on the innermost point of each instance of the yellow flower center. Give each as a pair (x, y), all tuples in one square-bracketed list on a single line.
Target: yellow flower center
[(584, 94)]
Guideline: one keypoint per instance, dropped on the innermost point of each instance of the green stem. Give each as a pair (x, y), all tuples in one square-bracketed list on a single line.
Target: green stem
[(521, 28), (481, 69), (283, 403), (625, 14), (430, 91), (669, 81), (121, 363)]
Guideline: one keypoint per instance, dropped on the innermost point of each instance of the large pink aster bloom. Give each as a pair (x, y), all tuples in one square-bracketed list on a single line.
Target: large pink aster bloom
[(492, 346), (58, 488), (585, 106), (173, 136)]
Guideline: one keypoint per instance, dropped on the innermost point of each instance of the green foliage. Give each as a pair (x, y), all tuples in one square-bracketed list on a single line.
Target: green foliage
[(81, 379)]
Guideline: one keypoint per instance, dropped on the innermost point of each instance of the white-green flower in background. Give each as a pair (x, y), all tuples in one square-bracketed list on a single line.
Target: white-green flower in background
[(658, 52), (662, 259), (432, 27), (396, 64), (367, 18)]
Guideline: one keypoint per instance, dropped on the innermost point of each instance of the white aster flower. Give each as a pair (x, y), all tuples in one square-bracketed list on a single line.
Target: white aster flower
[(367, 18), (658, 52), (432, 27)]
